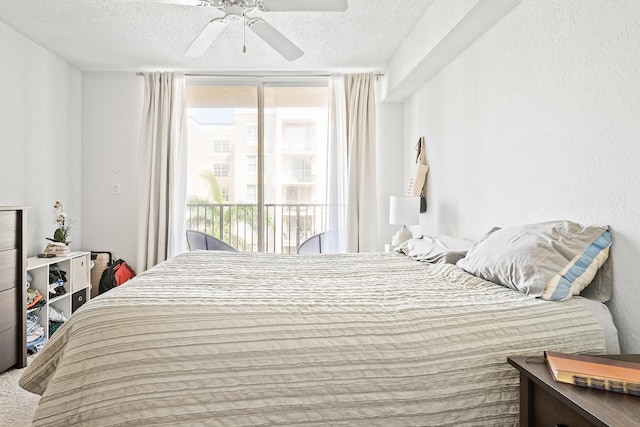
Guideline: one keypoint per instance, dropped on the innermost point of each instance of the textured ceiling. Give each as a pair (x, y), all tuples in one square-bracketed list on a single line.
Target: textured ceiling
[(107, 35)]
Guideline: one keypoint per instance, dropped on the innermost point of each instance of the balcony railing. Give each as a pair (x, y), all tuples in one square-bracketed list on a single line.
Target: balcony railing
[(285, 225)]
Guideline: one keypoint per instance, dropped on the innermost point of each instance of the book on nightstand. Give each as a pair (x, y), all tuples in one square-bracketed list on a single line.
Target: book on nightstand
[(604, 373)]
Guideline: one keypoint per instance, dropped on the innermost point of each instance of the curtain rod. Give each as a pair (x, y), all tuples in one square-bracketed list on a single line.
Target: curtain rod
[(301, 76)]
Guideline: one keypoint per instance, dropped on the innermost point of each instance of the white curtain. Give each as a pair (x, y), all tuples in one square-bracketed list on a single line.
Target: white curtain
[(162, 170), (352, 202), (337, 194)]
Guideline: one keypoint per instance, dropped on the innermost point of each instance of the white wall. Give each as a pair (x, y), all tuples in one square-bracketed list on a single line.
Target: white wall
[(389, 160), (111, 118), (39, 136), (537, 120)]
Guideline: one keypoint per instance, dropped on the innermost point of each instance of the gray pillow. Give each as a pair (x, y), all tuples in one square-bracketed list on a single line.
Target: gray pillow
[(441, 249), (552, 260)]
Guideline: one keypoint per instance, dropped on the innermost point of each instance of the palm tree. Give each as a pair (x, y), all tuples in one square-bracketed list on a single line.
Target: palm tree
[(214, 187), (215, 218)]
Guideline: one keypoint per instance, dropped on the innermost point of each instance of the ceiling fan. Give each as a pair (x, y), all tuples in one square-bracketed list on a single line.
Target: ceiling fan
[(238, 11)]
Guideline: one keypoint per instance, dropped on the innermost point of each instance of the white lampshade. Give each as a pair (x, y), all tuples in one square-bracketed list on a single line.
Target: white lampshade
[(404, 210)]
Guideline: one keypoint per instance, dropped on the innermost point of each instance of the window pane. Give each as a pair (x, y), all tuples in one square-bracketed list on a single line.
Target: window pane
[(295, 164), (252, 193), (218, 176), (221, 170), (252, 163), (252, 134), (220, 146)]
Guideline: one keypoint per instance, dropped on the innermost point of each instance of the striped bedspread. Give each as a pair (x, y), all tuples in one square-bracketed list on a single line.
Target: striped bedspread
[(235, 339)]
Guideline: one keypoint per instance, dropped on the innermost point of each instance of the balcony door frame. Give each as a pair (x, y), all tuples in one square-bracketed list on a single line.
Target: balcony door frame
[(260, 83)]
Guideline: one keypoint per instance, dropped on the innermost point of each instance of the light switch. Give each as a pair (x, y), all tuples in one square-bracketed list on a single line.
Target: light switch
[(115, 188)]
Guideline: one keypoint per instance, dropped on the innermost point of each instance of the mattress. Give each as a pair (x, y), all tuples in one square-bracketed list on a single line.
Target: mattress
[(221, 338)]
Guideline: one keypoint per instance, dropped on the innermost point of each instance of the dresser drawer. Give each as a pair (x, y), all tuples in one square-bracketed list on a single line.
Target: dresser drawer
[(8, 344), (8, 309), (8, 230), (8, 269), (78, 299)]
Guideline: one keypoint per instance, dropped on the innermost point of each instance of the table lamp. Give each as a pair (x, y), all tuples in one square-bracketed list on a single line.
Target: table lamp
[(403, 211)]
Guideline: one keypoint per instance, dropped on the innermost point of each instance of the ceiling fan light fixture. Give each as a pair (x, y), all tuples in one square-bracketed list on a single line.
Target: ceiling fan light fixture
[(234, 12)]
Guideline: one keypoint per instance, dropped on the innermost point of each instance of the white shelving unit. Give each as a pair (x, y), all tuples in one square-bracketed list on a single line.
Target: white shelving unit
[(77, 266)]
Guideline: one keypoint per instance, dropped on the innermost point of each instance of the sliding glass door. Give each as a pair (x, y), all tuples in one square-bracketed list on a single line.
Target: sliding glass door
[(295, 120), (257, 163), (221, 175)]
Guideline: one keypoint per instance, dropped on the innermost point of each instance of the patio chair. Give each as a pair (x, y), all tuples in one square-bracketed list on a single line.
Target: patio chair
[(199, 240), (313, 245)]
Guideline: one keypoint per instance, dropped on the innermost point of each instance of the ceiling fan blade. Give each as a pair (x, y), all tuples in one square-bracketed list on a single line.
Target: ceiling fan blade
[(181, 2), (305, 5), (206, 37), (275, 39)]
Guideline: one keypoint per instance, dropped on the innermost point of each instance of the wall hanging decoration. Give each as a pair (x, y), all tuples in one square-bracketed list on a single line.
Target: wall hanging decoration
[(418, 180)]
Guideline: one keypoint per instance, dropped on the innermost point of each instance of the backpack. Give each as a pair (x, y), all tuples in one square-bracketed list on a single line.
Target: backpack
[(114, 275)]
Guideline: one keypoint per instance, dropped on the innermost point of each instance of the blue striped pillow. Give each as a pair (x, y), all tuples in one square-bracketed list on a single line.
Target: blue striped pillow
[(579, 272), (551, 260)]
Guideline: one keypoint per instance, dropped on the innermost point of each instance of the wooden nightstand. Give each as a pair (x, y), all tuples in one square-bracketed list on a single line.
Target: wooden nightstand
[(545, 402)]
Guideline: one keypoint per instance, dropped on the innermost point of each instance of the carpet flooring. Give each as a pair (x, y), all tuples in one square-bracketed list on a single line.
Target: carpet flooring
[(17, 406)]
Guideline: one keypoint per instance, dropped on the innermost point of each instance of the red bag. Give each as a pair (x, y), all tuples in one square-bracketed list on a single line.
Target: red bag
[(115, 274), (123, 272)]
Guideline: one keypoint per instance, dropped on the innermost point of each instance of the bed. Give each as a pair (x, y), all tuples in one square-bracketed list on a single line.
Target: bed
[(222, 338)]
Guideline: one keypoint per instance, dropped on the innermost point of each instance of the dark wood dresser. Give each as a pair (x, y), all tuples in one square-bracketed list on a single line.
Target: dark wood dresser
[(545, 402), (13, 335)]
